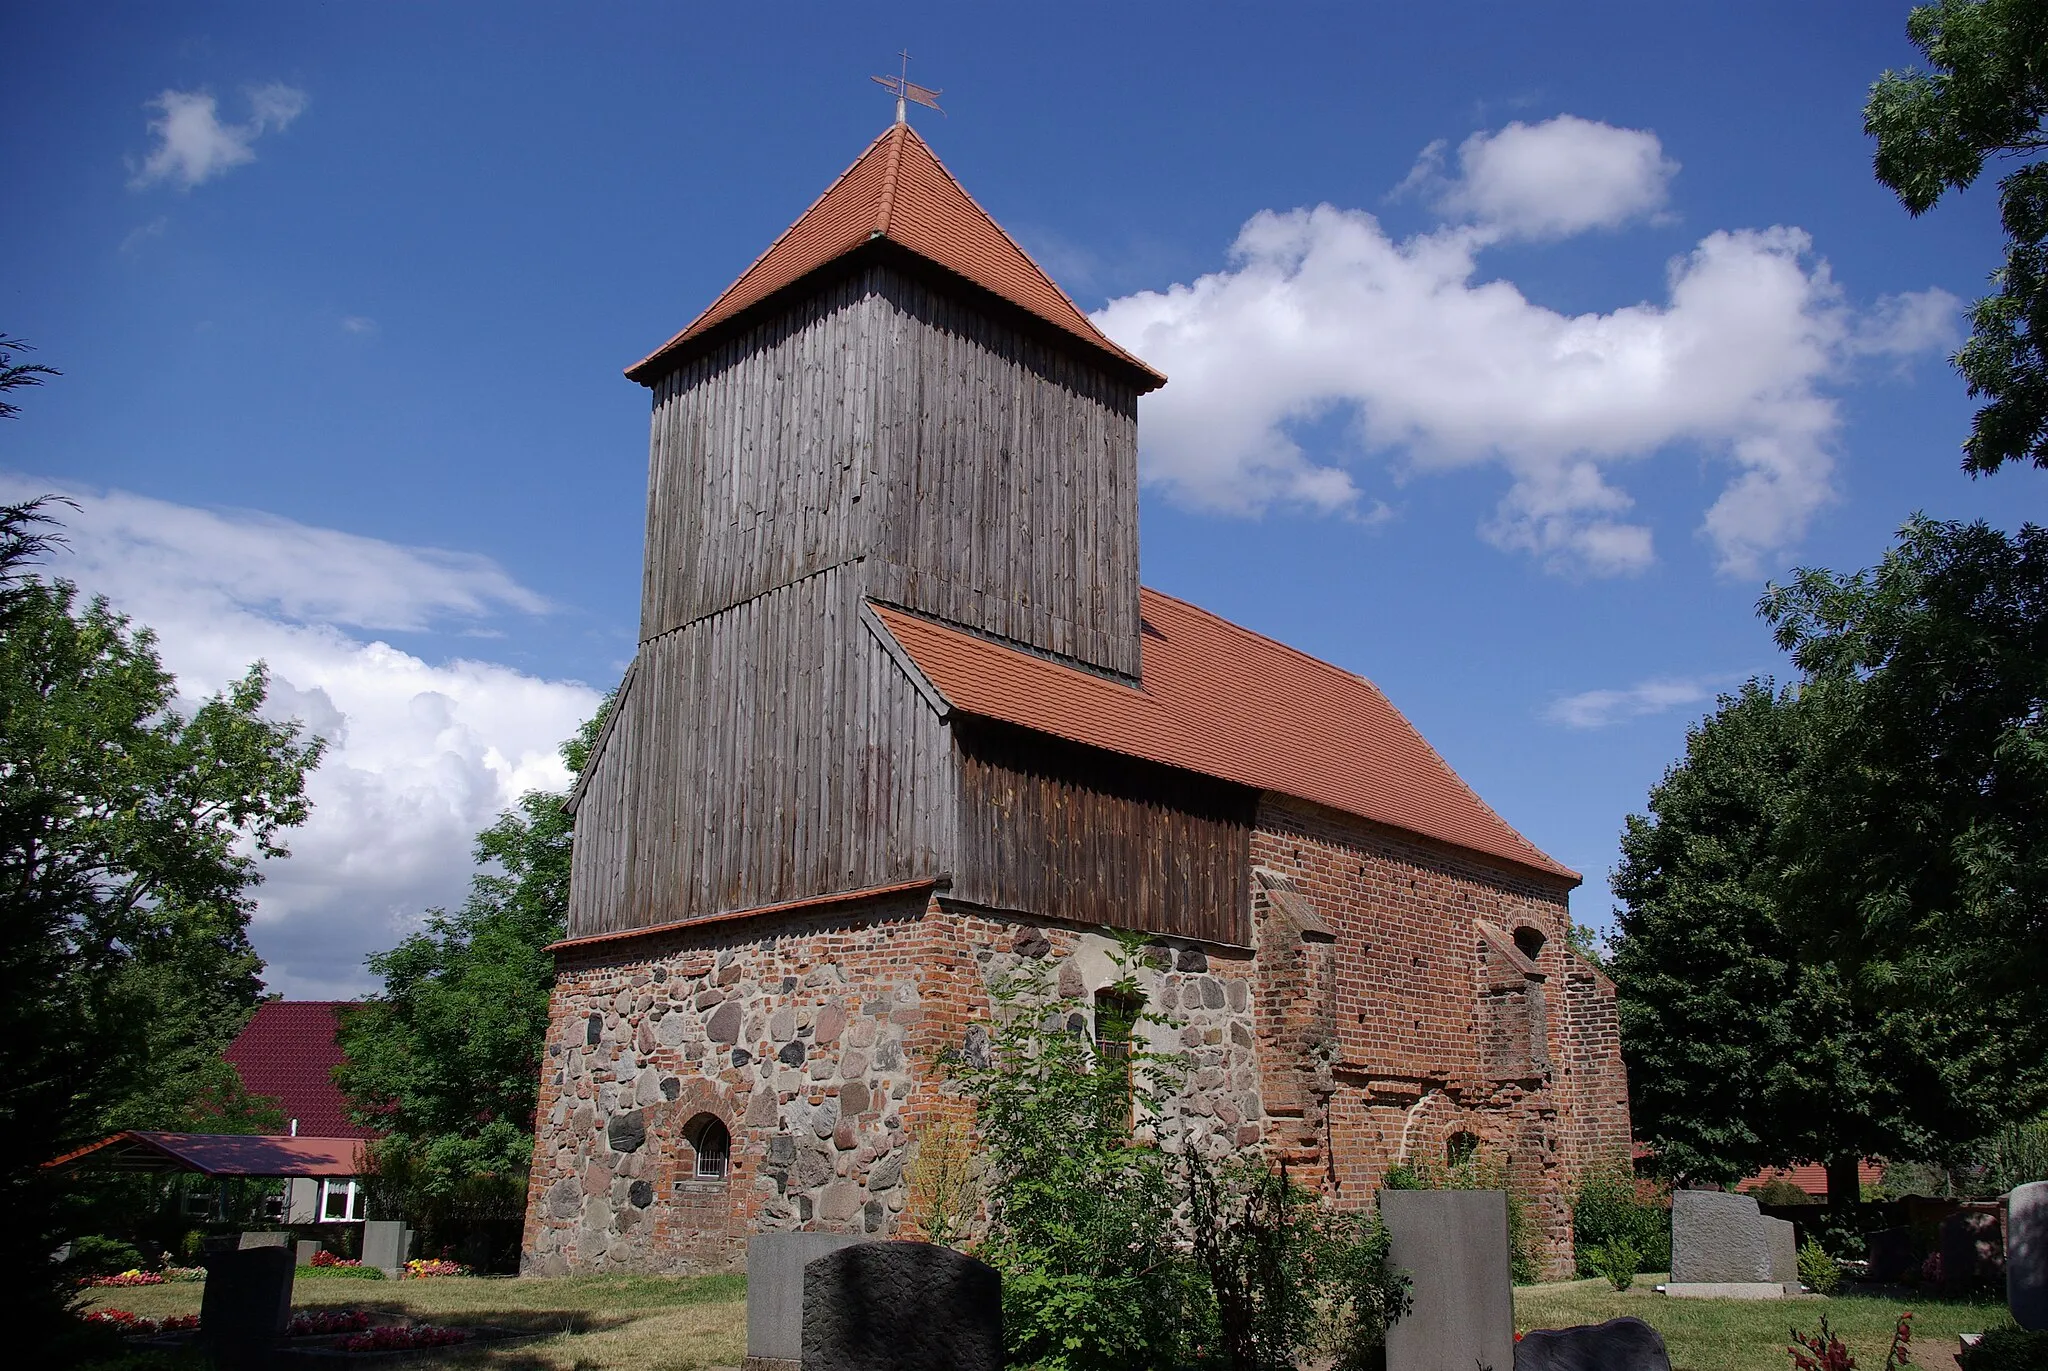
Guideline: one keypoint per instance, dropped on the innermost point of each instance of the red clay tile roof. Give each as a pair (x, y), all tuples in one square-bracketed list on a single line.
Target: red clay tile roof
[(288, 1050), (1812, 1177), (221, 1154), (1223, 701), (898, 190)]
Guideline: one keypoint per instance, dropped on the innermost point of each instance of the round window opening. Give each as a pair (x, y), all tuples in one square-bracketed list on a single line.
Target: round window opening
[(712, 1144)]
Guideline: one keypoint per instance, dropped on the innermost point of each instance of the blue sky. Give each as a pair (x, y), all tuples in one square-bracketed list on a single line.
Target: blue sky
[(1604, 324)]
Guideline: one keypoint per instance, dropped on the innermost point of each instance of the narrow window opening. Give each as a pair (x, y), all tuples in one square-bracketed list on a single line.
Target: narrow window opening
[(1529, 941), (1460, 1148), (713, 1145), (1116, 1025)]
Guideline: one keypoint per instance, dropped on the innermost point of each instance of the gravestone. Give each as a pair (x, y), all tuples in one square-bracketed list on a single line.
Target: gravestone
[(2026, 1255), (1889, 1253), (901, 1306), (246, 1303), (1972, 1251), (384, 1244), (1782, 1241), (1721, 1248), (775, 1295), (1617, 1345), (249, 1240), (305, 1251), (1453, 1246)]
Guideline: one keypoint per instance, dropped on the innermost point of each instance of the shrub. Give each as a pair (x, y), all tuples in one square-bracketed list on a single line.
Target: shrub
[(1818, 1272), (1780, 1191), (1618, 1261), (2007, 1348), (93, 1255), (1607, 1212)]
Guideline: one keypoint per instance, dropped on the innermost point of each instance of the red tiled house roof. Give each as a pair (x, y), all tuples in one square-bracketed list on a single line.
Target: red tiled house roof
[(288, 1051), (897, 193), (1225, 702)]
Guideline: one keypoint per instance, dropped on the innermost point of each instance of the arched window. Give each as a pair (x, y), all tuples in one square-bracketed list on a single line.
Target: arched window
[(1461, 1147), (712, 1144), (1529, 941)]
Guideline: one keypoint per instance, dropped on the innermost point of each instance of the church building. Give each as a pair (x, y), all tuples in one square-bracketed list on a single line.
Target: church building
[(902, 718)]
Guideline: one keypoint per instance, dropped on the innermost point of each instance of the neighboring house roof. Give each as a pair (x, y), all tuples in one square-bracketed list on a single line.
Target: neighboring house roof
[(898, 192), (1224, 701), (1813, 1178), (288, 1051), (221, 1154)]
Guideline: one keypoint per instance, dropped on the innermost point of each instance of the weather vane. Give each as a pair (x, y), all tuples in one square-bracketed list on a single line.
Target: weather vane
[(903, 88)]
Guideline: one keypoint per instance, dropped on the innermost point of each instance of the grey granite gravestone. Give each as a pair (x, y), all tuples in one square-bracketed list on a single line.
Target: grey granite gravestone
[(1453, 1246), (775, 1294), (246, 1303), (2026, 1254), (1972, 1251), (901, 1306), (304, 1251), (1720, 1247), (384, 1244), (249, 1240), (1781, 1239), (1617, 1345)]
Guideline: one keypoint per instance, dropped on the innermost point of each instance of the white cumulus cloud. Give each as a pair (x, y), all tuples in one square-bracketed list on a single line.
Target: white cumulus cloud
[(194, 146), (1600, 708), (421, 754), (1320, 314), (1557, 178)]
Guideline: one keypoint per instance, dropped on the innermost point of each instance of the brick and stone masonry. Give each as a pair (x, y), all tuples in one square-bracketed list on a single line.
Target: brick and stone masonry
[(1399, 995)]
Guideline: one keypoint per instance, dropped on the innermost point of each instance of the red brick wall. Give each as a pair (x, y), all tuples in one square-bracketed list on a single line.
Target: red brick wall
[(1410, 1062)]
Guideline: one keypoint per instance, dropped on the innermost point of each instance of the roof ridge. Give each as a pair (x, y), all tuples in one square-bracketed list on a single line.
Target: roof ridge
[(887, 209)]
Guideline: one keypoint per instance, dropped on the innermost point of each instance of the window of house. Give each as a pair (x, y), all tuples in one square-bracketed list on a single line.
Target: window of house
[(713, 1145), (340, 1201)]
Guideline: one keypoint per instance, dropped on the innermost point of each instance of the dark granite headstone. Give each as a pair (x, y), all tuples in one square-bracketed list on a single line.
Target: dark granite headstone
[(1972, 1251), (1617, 1345), (2026, 1254), (901, 1306), (1889, 1252), (246, 1303)]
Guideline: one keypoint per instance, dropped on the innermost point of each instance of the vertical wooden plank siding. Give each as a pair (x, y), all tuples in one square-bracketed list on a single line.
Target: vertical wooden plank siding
[(1076, 833)]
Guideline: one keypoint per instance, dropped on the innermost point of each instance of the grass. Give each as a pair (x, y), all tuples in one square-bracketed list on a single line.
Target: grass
[(1750, 1335), (660, 1323), (595, 1323)]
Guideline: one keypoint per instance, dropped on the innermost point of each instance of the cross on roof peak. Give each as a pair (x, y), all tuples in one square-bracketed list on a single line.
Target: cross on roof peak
[(904, 89)]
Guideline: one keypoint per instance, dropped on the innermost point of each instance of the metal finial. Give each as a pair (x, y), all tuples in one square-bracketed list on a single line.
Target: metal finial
[(903, 88)]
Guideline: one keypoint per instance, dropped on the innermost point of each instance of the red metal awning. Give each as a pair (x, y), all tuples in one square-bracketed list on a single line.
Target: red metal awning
[(221, 1154)]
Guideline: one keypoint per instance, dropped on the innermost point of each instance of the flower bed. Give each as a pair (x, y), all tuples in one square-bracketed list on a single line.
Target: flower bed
[(131, 1276), (324, 1259), (403, 1338), (421, 1267), (137, 1324), (318, 1323)]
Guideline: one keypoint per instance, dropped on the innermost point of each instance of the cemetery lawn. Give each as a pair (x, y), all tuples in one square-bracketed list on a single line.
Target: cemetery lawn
[(594, 1323), (1750, 1335)]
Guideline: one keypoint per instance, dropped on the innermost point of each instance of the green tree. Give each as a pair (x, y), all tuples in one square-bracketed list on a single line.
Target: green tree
[(1984, 97), (447, 1059), (1750, 1040), (130, 838)]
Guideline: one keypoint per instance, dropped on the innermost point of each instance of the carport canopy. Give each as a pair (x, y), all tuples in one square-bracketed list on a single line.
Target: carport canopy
[(221, 1155)]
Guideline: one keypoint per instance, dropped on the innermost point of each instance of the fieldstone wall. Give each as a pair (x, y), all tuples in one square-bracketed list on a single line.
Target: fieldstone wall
[(821, 1046)]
